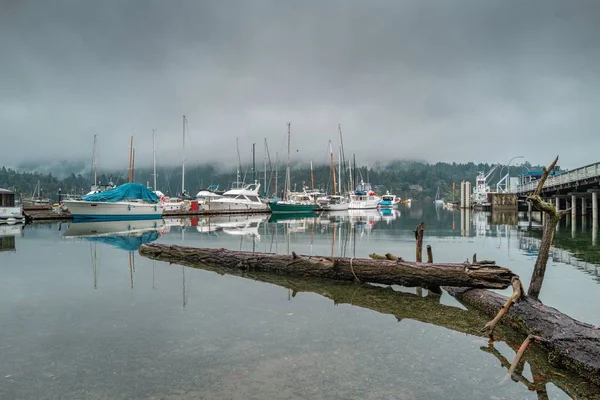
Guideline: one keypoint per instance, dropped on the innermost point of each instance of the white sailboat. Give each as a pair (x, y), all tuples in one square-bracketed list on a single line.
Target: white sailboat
[(126, 202), (336, 202), (168, 203)]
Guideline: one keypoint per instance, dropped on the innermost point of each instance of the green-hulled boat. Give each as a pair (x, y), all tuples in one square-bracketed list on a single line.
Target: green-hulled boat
[(297, 204)]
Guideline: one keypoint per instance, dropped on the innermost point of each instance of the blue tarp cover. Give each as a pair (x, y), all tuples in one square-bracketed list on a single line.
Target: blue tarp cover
[(126, 242), (127, 191)]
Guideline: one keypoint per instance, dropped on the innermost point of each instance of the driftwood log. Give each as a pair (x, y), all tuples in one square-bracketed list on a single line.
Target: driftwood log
[(427, 310), (398, 272), (571, 344)]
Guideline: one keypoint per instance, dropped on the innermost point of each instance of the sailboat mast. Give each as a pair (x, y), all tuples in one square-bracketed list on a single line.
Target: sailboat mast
[(154, 158), (340, 173), (183, 158), (265, 170), (276, 173), (354, 168), (238, 176), (254, 162), (95, 160), (312, 176), (332, 168), (130, 175), (342, 157), (288, 182)]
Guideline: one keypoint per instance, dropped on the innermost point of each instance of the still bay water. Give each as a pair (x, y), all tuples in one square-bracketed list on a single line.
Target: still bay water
[(84, 316)]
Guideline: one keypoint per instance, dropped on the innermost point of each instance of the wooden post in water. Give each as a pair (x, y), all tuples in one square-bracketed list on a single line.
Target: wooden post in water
[(419, 238)]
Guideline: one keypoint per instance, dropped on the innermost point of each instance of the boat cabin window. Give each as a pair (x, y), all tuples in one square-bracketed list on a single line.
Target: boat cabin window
[(253, 198), (7, 200), (232, 196)]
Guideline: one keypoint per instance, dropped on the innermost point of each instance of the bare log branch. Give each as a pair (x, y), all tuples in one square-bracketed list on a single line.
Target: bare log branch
[(539, 270), (521, 351), (516, 295), (542, 181)]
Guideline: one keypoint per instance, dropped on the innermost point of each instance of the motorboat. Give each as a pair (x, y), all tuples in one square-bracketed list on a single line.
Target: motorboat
[(336, 203), (389, 200), (126, 202), (238, 199), (10, 213)]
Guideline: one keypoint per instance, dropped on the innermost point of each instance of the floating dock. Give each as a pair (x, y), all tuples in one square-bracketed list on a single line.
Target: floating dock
[(47, 213)]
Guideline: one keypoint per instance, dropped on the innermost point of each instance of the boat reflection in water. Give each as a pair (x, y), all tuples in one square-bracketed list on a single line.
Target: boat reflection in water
[(237, 225), (7, 236), (126, 235)]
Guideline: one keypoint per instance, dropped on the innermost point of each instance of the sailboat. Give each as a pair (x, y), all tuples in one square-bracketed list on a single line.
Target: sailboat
[(336, 202), (294, 202), (126, 202), (170, 204)]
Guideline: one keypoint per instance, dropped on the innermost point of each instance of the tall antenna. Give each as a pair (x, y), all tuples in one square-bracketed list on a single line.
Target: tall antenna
[(95, 159)]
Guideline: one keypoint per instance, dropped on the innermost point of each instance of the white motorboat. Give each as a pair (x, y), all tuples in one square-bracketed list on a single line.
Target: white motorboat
[(126, 202), (10, 213), (336, 203), (239, 199), (363, 200), (389, 200)]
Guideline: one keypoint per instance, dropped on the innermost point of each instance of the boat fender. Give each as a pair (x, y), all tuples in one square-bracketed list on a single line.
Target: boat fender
[(129, 207)]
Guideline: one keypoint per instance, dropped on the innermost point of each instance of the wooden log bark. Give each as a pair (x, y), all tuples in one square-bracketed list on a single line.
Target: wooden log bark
[(571, 344), (387, 272), (427, 310)]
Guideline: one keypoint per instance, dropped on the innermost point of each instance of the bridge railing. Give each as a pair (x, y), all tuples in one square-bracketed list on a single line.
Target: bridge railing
[(589, 171)]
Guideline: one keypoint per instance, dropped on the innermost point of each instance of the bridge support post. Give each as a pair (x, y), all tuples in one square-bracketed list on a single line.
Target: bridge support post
[(573, 208), (583, 206), (595, 206), (557, 203)]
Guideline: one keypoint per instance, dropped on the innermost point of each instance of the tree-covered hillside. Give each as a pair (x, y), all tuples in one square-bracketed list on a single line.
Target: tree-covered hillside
[(408, 179)]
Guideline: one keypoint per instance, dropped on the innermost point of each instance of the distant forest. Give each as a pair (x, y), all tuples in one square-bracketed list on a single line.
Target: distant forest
[(408, 179)]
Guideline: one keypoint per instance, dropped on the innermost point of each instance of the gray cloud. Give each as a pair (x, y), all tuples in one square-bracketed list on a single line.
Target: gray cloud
[(436, 80)]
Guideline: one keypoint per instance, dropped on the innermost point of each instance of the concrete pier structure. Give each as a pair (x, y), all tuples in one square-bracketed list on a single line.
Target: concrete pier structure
[(584, 206), (594, 205), (573, 207)]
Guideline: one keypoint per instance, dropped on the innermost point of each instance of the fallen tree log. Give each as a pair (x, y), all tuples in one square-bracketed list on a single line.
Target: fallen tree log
[(387, 272), (571, 344), (428, 310)]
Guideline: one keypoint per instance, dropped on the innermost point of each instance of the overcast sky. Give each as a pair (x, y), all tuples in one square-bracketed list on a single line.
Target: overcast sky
[(445, 80)]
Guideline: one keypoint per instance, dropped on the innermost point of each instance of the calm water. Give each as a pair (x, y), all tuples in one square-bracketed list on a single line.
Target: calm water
[(84, 316)]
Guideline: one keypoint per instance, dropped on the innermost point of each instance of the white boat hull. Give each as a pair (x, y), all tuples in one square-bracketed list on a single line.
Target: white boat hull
[(120, 210), (11, 215), (234, 206), (364, 204), (336, 207)]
